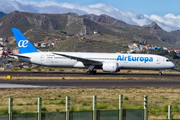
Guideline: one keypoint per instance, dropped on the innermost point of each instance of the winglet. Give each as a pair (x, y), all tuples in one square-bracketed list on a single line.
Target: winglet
[(24, 45)]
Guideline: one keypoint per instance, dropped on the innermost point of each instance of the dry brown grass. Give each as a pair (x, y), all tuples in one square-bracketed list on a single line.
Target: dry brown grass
[(48, 69), (25, 100)]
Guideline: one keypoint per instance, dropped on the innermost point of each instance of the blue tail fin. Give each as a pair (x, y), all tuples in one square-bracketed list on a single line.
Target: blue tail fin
[(23, 43)]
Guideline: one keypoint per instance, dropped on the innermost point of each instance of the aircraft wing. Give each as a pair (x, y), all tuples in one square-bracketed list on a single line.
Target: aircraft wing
[(83, 60), (20, 55)]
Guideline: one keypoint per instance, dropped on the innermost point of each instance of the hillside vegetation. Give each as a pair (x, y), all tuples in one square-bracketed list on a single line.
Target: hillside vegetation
[(68, 29)]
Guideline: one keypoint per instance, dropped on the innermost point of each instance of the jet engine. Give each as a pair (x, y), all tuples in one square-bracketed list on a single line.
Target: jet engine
[(110, 67)]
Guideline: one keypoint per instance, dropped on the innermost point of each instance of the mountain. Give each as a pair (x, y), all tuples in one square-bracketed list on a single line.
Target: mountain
[(113, 33), (151, 33), (2, 14), (162, 35), (53, 7), (176, 33)]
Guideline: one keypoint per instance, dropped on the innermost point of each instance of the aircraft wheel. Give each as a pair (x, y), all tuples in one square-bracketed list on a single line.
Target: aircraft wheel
[(160, 73), (89, 72), (94, 72)]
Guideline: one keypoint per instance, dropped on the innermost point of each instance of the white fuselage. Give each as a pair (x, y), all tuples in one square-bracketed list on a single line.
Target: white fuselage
[(124, 61)]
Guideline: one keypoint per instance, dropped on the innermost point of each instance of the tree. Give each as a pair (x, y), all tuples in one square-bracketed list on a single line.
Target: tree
[(173, 55)]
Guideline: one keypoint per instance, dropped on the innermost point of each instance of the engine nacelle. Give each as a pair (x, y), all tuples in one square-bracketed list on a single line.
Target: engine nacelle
[(110, 67)]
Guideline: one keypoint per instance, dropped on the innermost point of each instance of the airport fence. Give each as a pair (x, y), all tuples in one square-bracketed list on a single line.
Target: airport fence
[(94, 114)]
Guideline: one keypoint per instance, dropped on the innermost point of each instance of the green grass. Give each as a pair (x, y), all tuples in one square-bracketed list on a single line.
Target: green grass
[(53, 100)]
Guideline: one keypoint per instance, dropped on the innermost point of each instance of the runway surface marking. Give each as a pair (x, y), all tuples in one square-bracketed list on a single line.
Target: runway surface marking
[(88, 84), (7, 85)]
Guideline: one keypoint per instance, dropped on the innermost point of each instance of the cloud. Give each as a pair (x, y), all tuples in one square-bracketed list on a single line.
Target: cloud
[(168, 22)]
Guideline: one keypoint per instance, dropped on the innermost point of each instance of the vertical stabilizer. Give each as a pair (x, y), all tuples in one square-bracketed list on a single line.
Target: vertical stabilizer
[(24, 45)]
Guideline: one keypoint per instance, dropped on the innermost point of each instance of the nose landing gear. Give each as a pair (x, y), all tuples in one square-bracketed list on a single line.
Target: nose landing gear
[(160, 72)]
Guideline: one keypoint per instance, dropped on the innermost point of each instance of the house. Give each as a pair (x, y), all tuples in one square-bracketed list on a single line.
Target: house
[(1, 47), (135, 47), (40, 45), (177, 51), (147, 46), (15, 51), (95, 32)]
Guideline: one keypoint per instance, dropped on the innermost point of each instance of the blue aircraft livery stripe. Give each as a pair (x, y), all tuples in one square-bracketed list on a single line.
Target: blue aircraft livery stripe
[(134, 59)]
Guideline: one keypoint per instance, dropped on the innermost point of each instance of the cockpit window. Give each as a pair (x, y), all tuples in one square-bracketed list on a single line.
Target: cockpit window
[(167, 60)]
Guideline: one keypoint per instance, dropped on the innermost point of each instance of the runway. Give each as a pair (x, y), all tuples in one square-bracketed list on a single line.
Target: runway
[(172, 80), (87, 84), (83, 74)]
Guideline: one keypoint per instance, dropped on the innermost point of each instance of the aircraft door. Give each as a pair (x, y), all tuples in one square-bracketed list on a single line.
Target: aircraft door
[(42, 58), (158, 61)]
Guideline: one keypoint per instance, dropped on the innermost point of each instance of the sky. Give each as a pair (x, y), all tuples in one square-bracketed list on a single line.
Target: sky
[(158, 7), (166, 13)]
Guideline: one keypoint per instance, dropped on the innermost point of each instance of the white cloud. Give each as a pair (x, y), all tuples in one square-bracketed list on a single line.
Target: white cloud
[(168, 22), (100, 5)]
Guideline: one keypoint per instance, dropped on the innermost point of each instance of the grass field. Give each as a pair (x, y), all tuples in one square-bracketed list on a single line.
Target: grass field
[(25, 100)]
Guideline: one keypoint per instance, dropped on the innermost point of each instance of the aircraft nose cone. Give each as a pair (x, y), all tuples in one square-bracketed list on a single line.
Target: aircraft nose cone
[(172, 65)]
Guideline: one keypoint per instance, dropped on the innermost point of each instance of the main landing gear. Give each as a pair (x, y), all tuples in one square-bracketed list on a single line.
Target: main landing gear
[(91, 70)]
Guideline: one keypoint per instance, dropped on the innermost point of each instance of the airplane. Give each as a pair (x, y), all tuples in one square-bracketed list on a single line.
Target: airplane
[(108, 62)]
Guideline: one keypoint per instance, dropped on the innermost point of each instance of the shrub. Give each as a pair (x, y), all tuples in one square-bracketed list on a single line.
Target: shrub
[(51, 69), (35, 102), (61, 102), (129, 71), (20, 104), (126, 98), (85, 103), (4, 111), (102, 106), (61, 70), (43, 109), (57, 110), (15, 68), (28, 69), (39, 69)]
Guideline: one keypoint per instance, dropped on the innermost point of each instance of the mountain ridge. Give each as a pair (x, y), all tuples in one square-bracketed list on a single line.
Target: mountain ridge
[(2, 14), (72, 23)]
